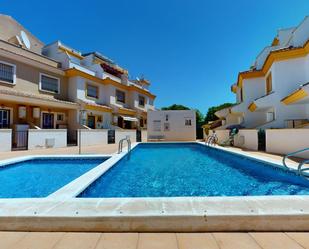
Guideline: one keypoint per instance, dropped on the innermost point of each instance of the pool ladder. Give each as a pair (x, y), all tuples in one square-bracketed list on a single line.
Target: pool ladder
[(120, 145), (300, 168)]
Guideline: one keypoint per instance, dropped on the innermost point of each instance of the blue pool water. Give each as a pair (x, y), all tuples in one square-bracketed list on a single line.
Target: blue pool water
[(171, 170), (41, 177)]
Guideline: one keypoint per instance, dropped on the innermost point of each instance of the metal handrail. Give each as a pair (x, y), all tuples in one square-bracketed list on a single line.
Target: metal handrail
[(292, 154), (120, 145), (300, 165), (212, 139)]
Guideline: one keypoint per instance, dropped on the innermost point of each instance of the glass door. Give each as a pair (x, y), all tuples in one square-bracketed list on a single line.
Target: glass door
[(4, 118), (48, 121), (91, 122)]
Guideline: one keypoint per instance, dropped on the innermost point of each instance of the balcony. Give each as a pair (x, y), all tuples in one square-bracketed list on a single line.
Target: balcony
[(299, 96), (263, 103), (112, 77)]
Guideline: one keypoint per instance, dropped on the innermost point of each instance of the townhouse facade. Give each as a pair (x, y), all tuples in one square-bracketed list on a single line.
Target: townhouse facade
[(56, 87), (274, 92)]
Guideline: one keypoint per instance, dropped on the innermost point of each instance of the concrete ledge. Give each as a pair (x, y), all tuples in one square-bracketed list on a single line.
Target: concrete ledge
[(280, 213)]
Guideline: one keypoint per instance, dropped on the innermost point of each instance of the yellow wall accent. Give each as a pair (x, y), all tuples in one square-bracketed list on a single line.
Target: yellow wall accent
[(283, 54), (234, 89), (98, 108), (295, 96), (252, 107), (275, 42), (126, 111), (71, 52), (75, 72)]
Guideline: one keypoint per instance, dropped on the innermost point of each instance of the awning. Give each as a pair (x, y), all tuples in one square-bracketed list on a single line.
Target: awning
[(132, 119)]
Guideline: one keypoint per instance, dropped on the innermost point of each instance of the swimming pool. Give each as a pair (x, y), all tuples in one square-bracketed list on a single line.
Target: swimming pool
[(39, 177), (195, 170)]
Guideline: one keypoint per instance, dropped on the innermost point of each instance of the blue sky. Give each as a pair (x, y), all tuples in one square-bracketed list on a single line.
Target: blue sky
[(191, 50)]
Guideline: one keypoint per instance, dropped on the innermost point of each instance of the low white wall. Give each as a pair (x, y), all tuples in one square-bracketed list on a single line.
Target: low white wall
[(144, 135), (92, 137), (120, 134), (247, 139), (6, 140), (284, 141), (223, 135), (37, 138)]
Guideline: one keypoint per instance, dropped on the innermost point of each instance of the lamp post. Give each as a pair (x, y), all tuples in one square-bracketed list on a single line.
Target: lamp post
[(81, 122)]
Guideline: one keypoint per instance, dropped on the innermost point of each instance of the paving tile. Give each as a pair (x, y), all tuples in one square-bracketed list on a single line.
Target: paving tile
[(196, 241), (236, 241), (78, 241), (157, 241), (10, 239), (118, 241), (300, 238), (38, 240), (275, 240)]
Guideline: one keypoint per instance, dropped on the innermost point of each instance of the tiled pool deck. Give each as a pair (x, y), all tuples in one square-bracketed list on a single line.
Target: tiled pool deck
[(39, 240)]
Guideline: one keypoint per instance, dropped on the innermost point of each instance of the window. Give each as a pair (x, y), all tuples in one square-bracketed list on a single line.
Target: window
[(166, 117), (120, 96), (141, 100), (60, 117), (92, 91), (157, 125), (188, 122), (166, 126), (49, 83), (269, 86), (7, 72)]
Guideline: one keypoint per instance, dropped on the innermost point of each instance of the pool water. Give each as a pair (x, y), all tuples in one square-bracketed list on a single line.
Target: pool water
[(174, 170), (41, 177)]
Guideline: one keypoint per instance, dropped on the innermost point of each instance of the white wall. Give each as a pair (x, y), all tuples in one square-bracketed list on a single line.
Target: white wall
[(6, 140), (284, 141), (120, 134), (37, 138), (222, 135), (247, 139), (92, 137), (177, 131)]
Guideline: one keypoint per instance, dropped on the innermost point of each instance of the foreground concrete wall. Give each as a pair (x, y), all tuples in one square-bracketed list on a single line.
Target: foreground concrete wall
[(120, 134), (6, 140), (92, 137), (247, 139), (223, 135), (284, 141), (47, 138)]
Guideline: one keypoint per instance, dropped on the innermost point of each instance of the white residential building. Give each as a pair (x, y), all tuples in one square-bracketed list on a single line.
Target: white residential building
[(274, 92), (106, 96), (172, 125)]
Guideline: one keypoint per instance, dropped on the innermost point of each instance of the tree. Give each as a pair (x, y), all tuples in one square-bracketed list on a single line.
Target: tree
[(210, 116), (199, 115), (175, 107)]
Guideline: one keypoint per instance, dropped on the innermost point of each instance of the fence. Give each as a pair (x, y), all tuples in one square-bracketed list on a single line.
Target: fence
[(6, 140), (247, 139), (47, 138), (284, 141), (92, 137)]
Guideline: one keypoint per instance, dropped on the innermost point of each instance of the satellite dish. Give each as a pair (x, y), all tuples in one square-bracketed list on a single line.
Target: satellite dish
[(25, 39)]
